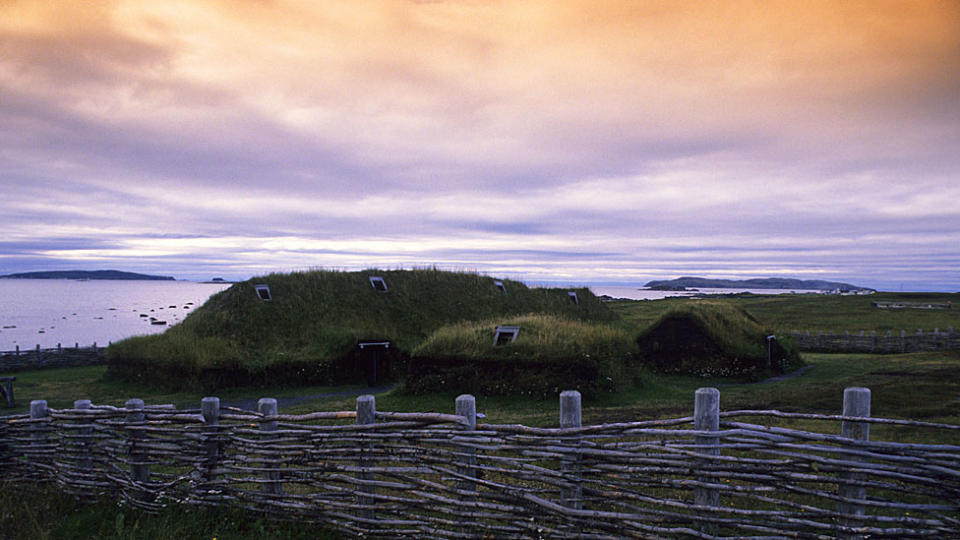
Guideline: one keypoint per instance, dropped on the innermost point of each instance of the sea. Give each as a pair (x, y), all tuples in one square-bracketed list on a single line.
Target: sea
[(52, 312), (637, 293)]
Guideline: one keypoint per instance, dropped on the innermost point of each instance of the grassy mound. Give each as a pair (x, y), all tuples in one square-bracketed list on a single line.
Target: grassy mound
[(308, 331), (550, 354), (714, 338)]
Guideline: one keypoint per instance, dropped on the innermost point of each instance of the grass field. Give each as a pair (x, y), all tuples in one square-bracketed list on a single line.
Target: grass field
[(923, 386), (38, 514)]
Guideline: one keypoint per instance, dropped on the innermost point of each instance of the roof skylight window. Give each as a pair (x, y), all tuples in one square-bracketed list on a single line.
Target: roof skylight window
[(378, 283), (505, 334), (263, 292)]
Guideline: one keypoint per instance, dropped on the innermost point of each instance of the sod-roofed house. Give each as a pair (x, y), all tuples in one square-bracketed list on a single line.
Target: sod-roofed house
[(714, 339), (329, 327)]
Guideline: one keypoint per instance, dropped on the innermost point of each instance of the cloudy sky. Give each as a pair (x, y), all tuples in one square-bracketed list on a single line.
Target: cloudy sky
[(581, 142)]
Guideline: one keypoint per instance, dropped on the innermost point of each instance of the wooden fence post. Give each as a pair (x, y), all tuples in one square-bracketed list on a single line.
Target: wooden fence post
[(38, 451), (570, 417), (7, 383), (139, 465), (366, 414), (83, 437), (856, 403), (38, 409), (268, 407), (466, 406), (706, 417), (210, 409)]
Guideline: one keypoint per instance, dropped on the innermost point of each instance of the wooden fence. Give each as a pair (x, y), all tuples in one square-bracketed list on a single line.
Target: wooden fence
[(373, 473), (900, 342), (59, 357)]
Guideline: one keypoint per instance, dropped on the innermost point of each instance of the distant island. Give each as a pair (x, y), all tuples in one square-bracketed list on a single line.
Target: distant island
[(87, 274), (757, 283)]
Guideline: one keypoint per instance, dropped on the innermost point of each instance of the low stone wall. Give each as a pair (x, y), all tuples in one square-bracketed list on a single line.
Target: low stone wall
[(889, 343), (12, 361)]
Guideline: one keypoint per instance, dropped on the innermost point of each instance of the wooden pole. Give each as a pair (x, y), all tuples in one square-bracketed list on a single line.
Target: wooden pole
[(35, 450), (366, 414), (268, 408), (570, 417), (38, 409), (210, 409), (466, 406), (706, 417), (856, 403), (139, 467), (8, 390), (86, 462)]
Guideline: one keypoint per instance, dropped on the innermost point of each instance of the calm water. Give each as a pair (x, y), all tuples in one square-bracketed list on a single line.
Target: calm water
[(635, 293), (46, 312)]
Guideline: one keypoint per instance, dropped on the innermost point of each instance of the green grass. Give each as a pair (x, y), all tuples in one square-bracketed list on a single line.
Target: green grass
[(541, 337), (924, 386), (61, 387), (548, 354), (38, 513)]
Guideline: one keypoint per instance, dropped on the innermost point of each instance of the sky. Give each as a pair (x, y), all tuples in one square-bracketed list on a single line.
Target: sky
[(577, 142)]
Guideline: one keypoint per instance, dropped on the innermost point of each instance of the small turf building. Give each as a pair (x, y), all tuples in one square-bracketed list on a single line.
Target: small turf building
[(715, 339), (432, 330)]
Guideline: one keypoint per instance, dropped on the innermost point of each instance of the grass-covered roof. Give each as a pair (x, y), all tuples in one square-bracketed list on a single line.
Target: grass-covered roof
[(713, 338), (548, 354), (319, 316)]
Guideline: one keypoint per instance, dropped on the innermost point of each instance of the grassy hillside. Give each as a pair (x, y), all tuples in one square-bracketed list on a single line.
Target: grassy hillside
[(308, 330)]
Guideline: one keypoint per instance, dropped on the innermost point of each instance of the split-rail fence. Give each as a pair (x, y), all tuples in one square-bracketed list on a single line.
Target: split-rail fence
[(882, 343), (372, 473), (50, 358)]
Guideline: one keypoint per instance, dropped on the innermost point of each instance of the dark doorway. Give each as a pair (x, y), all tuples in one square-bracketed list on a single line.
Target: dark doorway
[(375, 359)]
